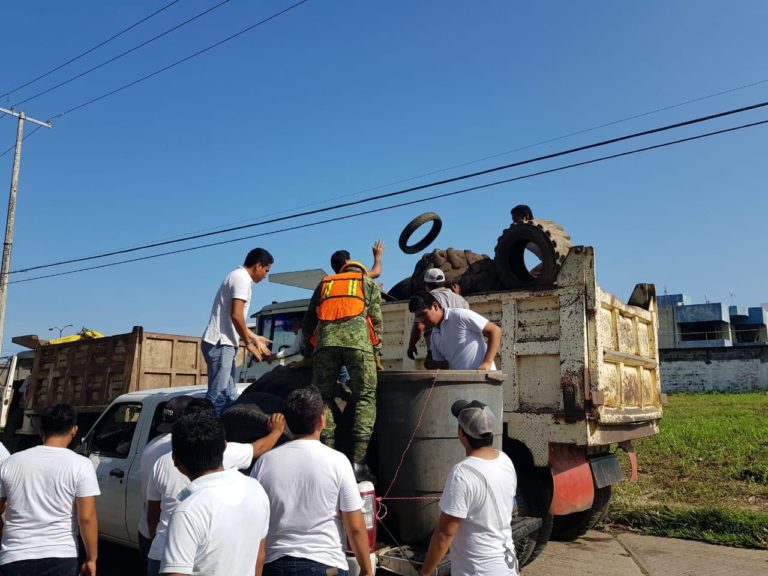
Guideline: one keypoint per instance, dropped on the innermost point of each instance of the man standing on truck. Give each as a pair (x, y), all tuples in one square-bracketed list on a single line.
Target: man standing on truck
[(43, 491), (343, 323), (477, 502), (227, 327), (457, 339), (313, 498), (222, 518), (435, 284)]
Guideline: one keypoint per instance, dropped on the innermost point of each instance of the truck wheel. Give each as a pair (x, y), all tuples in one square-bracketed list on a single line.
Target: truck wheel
[(411, 227), (552, 242), (529, 547), (571, 526)]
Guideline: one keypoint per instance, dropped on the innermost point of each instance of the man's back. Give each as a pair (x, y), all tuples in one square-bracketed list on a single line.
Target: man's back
[(223, 516), (482, 493), (459, 339), (308, 485), (448, 298), (40, 486)]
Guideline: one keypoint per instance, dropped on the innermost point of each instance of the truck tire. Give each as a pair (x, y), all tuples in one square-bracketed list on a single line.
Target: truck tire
[(550, 238), (411, 227), (571, 526), (530, 504), (246, 420)]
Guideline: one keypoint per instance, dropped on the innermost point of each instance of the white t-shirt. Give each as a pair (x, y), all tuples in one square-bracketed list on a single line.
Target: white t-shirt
[(221, 329), (152, 451), (166, 483), (459, 339), (308, 485), (217, 527), (4, 454), (481, 493), (40, 486)]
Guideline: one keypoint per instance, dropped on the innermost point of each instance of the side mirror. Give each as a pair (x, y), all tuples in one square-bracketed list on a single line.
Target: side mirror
[(84, 448)]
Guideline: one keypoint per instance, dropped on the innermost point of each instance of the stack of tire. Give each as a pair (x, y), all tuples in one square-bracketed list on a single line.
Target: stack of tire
[(507, 270)]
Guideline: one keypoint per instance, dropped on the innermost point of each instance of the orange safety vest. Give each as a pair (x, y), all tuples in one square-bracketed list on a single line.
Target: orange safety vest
[(342, 296)]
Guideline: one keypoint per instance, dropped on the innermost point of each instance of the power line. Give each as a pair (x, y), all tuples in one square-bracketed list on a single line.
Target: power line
[(12, 148), (198, 53), (99, 45), (408, 203), (129, 51), (407, 190)]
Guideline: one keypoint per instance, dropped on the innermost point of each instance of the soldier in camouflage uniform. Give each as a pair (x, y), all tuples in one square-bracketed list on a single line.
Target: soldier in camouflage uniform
[(347, 341)]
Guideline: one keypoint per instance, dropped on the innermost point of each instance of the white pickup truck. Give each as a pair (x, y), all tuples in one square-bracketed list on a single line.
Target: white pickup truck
[(114, 446)]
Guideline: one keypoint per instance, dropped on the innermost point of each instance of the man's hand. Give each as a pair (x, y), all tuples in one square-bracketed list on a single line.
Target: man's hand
[(88, 568), (276, 423), (485, 366), (259, 346), (378, 249), (379, 365)]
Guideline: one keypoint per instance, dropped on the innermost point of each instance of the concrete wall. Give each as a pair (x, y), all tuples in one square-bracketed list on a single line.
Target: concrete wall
[(739, 369)]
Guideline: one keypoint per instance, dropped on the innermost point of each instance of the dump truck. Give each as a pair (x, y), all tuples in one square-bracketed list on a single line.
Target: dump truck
[(91, 372)]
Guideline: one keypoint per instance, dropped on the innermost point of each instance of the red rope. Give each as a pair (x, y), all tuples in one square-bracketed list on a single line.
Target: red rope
[(413, 435)]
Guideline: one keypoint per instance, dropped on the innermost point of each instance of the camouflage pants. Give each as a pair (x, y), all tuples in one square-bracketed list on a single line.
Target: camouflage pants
[(362, 382)]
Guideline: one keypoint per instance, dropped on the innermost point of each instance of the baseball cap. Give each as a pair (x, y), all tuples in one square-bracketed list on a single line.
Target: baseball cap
[(474, 417), (434, 275), (172, 411)]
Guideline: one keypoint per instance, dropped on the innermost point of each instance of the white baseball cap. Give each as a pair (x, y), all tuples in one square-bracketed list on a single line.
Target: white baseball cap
[(434, 276), (474, 417)]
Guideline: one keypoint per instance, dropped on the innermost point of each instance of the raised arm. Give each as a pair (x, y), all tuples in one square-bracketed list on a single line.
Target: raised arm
[(276, 425), (378, 250)]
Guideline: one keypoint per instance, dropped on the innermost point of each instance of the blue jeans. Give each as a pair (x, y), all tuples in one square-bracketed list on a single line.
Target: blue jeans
[(291, 566), (220, 359), (42, 567)]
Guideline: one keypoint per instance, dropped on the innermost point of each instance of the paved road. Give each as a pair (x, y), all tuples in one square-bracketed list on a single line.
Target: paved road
[(595, 554)]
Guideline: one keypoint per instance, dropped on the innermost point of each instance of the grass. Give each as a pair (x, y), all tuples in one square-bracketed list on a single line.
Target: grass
[(705, 476)]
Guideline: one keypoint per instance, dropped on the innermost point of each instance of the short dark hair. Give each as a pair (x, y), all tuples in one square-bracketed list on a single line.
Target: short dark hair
[(57, 420), (258, 256), (199, 405), (303, 409), (523, 210), (198, 442), (338, 259), (421, 301), (476, 443)]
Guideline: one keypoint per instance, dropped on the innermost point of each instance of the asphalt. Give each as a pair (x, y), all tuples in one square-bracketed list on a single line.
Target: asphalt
[(626, 554)]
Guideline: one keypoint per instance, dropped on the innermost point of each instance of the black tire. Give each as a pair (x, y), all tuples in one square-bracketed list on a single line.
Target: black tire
[(529, 547), (572, 526), (401, 290), (549, 237), (246, 420), (280, 381), (405, 235)]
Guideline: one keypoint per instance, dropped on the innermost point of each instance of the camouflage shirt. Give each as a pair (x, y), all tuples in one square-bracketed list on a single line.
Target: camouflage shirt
[(350, 332)]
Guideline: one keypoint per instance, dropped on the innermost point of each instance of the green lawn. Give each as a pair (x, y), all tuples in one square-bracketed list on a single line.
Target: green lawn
[(705, 476)]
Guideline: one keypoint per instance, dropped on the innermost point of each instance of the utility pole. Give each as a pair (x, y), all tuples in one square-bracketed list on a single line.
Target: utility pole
[(8, 244)]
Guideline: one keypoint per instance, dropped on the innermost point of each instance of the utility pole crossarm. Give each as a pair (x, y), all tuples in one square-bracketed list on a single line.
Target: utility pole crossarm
[(45, 124)]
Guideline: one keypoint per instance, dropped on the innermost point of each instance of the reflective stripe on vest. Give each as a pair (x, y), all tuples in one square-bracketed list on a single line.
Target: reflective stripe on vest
[(341, 296)]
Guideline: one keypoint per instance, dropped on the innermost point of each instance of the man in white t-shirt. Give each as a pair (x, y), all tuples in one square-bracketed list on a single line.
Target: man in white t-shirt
[(227, 327), (221, 520), (477, 503), (313, 497), (457, 341), (159, 446), (166, 482), (435, 284), (46, 493)]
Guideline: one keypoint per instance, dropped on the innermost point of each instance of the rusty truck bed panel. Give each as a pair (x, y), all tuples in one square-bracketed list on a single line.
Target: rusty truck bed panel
[(89, 374), (575, 356)]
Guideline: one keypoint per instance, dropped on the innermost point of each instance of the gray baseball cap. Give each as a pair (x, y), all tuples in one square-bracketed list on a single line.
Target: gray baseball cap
[(434, 276), (474, 417), (172, 411)]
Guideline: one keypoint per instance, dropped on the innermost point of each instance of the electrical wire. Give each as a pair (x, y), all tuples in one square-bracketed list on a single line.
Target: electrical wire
[(408, 203), (173, 65), (406, 190), (27, 135), (99, 45), (129, 51)]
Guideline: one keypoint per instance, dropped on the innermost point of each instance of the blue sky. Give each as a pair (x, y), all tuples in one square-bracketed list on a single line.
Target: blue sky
[(338, 97)]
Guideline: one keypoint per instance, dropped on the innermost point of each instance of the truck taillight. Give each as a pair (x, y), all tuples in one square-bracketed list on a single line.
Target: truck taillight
[(368, 494)]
